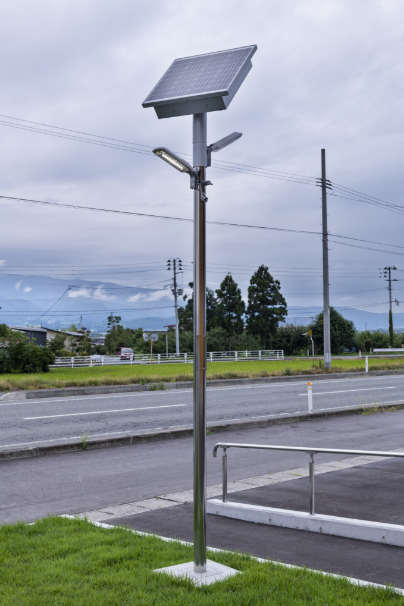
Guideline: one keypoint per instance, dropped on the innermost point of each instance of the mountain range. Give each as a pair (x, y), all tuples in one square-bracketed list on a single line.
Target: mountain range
[(58, 303)]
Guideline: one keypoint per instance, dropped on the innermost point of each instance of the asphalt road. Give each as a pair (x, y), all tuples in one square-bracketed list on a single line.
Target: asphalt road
[(40, 422)]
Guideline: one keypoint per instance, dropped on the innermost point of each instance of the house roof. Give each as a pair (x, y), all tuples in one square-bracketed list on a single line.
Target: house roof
[(66, 332), (28, 328)]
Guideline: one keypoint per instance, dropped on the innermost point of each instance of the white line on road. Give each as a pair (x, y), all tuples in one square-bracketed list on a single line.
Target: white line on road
[(36, 401), (320, 393), (210, 424), (101, 412)]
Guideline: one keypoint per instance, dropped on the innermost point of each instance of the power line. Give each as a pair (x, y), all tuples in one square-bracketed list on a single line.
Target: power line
[(123, 145), (165, 217)]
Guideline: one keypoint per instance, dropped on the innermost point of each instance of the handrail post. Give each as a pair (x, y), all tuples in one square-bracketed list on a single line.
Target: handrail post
[(224, 470), (311, 474)]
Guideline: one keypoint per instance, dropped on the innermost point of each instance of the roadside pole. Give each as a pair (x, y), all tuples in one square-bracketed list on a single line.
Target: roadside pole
[(310, 398), (200, 164), (326, 280)]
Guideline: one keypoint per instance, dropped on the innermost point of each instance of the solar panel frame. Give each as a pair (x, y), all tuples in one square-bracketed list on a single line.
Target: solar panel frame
[(233, 61)]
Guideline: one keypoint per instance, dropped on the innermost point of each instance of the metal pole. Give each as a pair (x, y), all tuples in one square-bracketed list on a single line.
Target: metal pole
[(311, 473), (312, 346), (177, 336), (326, 281), (224, 478), (199, 163), (167, 344)]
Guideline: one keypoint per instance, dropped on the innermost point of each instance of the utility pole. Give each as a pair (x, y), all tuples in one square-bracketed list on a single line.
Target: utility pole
[(326, 281), (176, 292), (387, 276)]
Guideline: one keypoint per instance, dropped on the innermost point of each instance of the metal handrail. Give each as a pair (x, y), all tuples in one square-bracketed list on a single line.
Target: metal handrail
[(311, 451)]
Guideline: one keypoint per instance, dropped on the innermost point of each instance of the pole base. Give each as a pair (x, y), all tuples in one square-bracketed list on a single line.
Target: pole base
[(214, 572)]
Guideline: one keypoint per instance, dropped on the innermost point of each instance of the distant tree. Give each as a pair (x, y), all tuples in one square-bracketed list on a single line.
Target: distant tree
[(72, 328), (18, 355), (5, 331), (291, 339), (57, 344), (368, 344), (342, 331), (186, 314), (113, 321), (266, 305), (230, 308), (85, 345)]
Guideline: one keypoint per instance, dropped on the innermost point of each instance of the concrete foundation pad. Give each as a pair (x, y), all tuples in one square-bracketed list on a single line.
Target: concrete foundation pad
[(214, 572), (376, 532)]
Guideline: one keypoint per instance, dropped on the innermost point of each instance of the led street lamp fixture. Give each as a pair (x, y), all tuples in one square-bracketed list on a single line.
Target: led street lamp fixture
[(200, 84), (221, 144), (174, 160), (181, 165)]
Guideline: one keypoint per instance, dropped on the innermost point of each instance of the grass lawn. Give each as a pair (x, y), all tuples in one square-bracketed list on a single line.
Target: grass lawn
[(123, 375), (60, 562)]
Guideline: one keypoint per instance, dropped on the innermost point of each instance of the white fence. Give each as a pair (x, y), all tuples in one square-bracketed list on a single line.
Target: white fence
[(184, 358)]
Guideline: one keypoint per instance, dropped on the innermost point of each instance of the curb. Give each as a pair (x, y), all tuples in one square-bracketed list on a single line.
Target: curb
[(185, 432), (106, 389)]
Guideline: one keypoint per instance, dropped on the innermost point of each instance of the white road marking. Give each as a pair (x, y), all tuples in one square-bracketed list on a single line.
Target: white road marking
[(320, 393), (99, 412), (210, 424), (37, 401)]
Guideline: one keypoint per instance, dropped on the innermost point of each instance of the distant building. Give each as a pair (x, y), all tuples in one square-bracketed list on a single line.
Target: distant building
[(35, 335), (52, 332), (100, 340)]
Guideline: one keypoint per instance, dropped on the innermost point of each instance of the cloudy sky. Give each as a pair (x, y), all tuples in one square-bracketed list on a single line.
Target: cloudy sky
[(326, 74)]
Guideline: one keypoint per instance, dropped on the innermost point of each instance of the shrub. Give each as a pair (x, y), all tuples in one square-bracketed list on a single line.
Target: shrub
[(17, 355)]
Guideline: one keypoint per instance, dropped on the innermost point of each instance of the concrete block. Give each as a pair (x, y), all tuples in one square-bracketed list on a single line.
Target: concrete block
[(375, 532), (214, 572)]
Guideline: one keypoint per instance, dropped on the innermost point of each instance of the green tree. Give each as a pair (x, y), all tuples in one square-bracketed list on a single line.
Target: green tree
[(5, 331), (290, 339), (113, 321), (342, 332), (230, 308), (57, 344), (85, 345), (186, 314), (266, 305), (18, 355)]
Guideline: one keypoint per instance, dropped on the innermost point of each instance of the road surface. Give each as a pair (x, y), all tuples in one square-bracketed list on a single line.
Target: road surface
[(58, 420)]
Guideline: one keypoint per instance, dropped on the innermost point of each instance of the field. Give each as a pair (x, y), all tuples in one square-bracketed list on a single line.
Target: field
[(161, 373), (60, 562)]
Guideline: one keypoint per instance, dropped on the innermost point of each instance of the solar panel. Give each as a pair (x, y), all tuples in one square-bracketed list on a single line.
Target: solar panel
[(190, 81)]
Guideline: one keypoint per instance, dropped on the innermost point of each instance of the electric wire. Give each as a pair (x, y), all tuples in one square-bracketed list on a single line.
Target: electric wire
[(182, 219)]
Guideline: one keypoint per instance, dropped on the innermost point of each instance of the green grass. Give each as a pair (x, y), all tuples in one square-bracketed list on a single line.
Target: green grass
[(60, 562), (161, 373)]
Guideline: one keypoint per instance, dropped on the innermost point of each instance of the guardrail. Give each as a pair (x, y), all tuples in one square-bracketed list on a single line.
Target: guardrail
[(183, 358), (311, 451), (389, 350)]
